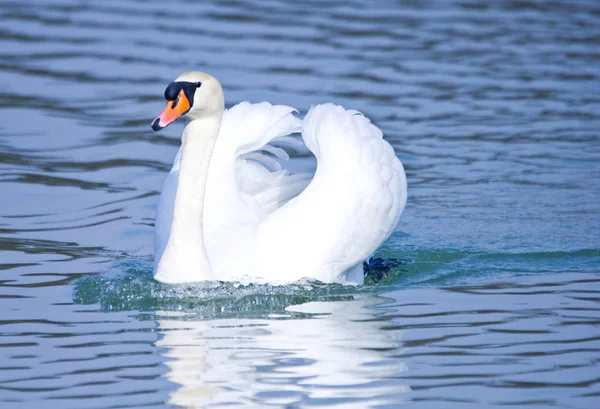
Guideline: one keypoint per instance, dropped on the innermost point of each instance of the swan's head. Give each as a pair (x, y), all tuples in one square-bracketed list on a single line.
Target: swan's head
[(193, 94)]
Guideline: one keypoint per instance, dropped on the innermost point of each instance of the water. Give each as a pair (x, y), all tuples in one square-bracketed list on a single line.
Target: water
[(494, 109)]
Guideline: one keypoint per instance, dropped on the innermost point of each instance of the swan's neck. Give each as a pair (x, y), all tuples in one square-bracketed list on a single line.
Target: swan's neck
[(185, 257)]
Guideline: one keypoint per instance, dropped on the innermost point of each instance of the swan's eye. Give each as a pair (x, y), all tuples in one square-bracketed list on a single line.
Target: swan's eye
[(175, 102), (198, 84), (172, 91)]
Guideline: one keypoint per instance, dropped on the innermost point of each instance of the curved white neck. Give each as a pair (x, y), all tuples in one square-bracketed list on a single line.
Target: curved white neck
[(185, 257)]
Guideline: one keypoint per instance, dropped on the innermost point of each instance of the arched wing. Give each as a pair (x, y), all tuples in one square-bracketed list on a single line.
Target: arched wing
[(351, 205)]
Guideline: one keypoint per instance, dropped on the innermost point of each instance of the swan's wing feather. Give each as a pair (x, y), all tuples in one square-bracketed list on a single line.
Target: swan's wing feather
[(249, 127), (259, 133), (276, 151), (278, 194), (351, 205), (269, 162), (291, 143)]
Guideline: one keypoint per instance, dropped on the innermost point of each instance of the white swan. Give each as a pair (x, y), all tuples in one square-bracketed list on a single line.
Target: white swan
[(227, 209)]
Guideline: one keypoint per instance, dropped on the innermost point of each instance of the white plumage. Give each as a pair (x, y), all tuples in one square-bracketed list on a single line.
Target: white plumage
[(259, 220)]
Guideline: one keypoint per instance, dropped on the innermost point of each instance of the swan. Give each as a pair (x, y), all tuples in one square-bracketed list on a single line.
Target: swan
[(229, 210)]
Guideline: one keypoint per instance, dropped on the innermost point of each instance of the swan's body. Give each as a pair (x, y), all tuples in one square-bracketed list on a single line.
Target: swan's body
[(227, 210)]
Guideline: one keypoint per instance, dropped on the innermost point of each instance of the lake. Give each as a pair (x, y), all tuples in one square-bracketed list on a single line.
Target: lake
[(493, 108)]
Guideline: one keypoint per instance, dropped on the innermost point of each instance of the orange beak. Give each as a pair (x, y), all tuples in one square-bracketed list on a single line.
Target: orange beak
[(173, 110)]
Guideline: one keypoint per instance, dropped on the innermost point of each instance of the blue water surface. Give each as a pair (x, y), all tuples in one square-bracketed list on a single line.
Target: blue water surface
[(492, 106)]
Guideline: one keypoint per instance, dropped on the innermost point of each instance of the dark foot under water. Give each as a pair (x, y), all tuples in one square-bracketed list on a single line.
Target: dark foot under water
[(377, 268)]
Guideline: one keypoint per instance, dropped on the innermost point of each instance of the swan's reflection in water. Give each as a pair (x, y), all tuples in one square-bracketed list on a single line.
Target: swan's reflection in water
[(338, 355)]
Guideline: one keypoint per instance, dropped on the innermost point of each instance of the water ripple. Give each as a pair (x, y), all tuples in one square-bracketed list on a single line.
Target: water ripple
[(493, 108)]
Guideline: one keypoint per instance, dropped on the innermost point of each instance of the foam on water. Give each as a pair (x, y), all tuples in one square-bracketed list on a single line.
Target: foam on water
[(130, 286)]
